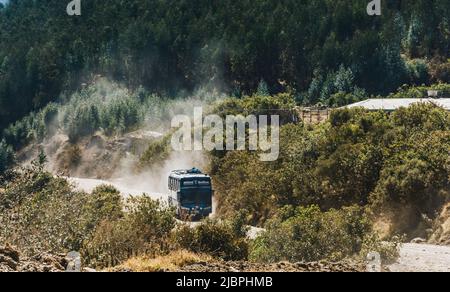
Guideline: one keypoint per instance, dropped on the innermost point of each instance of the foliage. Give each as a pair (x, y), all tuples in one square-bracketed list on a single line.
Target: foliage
[(222, 239), (41, 213), (388, 250), (420, 91), (168, 46), (143, 229), (157, 152), (335, 89), (372, 159), (308, 234)]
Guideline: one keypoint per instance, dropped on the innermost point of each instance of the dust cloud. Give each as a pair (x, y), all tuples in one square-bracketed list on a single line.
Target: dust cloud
[(99, 158)]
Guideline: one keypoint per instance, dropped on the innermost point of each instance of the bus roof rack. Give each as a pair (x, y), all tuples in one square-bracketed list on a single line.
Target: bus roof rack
[(193, 170)]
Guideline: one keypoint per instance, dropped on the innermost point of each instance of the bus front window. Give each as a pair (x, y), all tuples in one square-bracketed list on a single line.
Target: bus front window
[(196, 198)]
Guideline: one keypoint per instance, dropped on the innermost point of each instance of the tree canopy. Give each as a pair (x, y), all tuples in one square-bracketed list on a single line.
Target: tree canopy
[(316, 48)]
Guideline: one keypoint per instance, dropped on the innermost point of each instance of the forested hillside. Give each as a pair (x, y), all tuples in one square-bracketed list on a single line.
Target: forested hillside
[(311, 48), (92, 97)]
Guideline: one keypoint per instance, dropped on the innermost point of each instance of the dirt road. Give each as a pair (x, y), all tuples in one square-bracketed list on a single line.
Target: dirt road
[(88, 185), (422, 258)]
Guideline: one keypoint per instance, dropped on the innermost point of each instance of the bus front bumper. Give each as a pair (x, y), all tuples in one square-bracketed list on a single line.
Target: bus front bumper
[(197, 211)]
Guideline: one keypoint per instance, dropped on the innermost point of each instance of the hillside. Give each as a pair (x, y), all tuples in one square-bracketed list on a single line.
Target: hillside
[(313, 48), (338, 189), (87, 107)]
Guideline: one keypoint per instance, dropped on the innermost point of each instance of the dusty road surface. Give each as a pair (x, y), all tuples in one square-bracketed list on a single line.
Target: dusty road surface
[(88, 185), (422, 258)]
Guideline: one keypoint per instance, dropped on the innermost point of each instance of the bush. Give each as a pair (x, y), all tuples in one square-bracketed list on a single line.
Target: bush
[(407, 91), (418, 71), (222, 239), (308, 234), (143, 229), (105, 203), (440, 71), (40, 213), (157, 152), (388, 250), (280, 104)]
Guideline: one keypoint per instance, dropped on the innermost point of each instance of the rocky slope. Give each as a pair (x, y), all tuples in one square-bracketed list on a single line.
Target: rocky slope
[(280, 267), (12, 261)]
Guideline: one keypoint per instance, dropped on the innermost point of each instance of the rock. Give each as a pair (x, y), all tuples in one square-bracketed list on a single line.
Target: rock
[(418, 240), (56, 261), (243, 266), (89, 270), (9, 262), (10, 252), (9, 259), (233, 270), (73, 259)]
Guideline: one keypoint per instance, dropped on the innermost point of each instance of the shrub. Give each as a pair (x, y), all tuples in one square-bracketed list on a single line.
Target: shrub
[(40, 213), (440, 70), (105, 203), (308, 234), (417, 71), (388, 250), (222, 239), (157, 152), (143, 229), (280, 104)]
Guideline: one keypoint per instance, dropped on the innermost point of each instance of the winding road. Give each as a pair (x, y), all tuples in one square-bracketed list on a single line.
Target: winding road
[(88, 185)]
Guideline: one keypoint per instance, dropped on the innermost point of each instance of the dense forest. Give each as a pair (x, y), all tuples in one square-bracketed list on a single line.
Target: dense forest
[(311, 48)]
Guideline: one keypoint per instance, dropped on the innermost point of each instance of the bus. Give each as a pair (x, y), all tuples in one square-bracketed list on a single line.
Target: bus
[(190, 193)]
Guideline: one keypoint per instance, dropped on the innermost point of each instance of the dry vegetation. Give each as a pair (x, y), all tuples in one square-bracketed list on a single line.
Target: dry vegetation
[(174, 261)]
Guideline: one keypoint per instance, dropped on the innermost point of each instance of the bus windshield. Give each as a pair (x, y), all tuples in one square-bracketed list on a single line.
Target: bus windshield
[(196, 198)]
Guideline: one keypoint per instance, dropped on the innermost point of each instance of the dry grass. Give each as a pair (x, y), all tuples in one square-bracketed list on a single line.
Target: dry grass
[(171, 262)]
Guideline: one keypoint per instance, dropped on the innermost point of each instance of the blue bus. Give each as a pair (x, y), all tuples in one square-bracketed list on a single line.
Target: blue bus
[(190, 193)]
